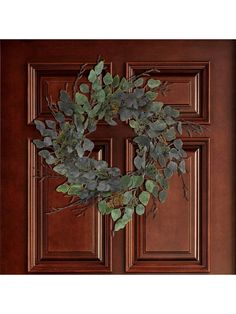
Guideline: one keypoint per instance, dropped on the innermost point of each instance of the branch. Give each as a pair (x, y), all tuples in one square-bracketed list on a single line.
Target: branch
[(185, 188), (145, 73), (80, 74)]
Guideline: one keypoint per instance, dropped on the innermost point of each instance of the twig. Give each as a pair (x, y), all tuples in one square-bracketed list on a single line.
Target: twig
[(145, 73), (185, 188), (80, 74)]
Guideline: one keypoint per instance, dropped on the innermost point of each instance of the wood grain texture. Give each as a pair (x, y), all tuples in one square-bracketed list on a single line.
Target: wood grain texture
[(177, 239)]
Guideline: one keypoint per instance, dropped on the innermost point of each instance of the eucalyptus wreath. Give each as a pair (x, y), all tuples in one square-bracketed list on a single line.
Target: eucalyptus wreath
[(66, 147)]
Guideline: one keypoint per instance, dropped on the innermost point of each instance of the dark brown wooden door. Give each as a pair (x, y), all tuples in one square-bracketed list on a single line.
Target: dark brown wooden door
[(185, 236)]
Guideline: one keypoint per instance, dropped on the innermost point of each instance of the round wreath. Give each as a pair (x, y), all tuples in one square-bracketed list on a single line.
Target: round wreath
[(66, 147)]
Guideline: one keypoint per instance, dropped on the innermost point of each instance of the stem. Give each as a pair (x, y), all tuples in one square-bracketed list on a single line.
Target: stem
[(185, 188)]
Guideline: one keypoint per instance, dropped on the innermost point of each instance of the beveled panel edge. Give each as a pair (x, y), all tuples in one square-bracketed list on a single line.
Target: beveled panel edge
[(134, 266), (34, 67), (184, 67), (34, 264)]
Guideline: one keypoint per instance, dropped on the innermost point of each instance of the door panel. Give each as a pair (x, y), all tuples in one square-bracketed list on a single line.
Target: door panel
[(195, 235), (67, 240), (188, 86), (175, 238), (70, 240)]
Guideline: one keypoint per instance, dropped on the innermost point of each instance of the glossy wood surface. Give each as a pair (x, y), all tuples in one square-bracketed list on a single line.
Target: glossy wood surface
[(195, 236)]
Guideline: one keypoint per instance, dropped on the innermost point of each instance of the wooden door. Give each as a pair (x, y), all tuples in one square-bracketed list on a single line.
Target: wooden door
[(195, 236)]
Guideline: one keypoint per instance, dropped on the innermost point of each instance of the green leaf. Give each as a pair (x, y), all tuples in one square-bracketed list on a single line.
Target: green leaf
[(168, 172), (59, 117), (151, 95), (142, 140), (170, 134), (170, 121), (137, 181), (64, 96), (174, 154), (138, 82), (88, 145), (175, 113), (103, 186), (87, 107), (84, 88), (139, 162), (153, 83), (110, 121), (140, 209), (47, 140), (149, 184), (91, 125), (172, 165), (115, 214), (63, 188), (39, 144), (116, 81), (92, 76), (171, 111), (162, 196), (102, 206), (40, 126), (127, 197), (75, 189), (162, 160), (155, 192), (156, 107), (120, 224), (178, 143), (182, 166), (44, 153), (91, 185), (125, 113), (179, 128), (80, 150), (80, 98), (99, 67), (139, 92), (100, 95), (51, 124), (50, 160), (94, 111), (144, 197), (97, 85), (158, 125), (133, 124), (50, 133), (124, 84), (101, 164), (107, 79), (60, 168), (128, 212), (125, 181)]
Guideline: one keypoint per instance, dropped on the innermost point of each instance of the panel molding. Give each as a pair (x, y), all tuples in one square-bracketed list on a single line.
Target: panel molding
[(42, 260), (37, 70), (197, 258), (195, 74)]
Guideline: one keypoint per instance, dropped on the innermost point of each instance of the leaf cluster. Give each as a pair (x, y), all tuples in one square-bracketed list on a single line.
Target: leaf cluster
[(66, 147)]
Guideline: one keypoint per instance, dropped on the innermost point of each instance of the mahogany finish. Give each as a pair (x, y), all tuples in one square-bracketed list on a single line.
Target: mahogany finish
[(195, 236)]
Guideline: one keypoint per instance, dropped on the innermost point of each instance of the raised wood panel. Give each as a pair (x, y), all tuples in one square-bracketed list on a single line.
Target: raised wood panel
[(45, 81), (188, 86), (62, 241), (177, 239)]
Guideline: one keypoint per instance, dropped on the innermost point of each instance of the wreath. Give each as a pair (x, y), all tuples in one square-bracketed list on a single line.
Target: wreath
[(66, 148)]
